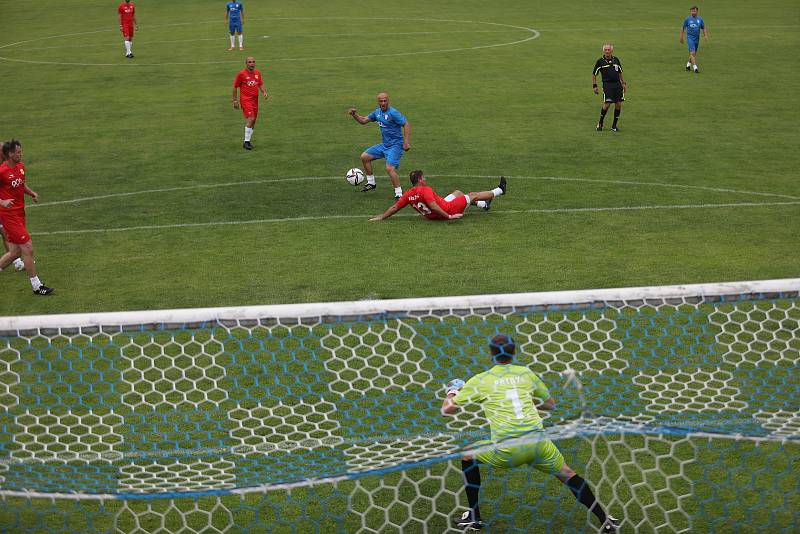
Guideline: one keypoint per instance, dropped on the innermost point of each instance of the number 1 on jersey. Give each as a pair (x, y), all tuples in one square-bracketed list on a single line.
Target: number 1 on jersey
[(513, 396)]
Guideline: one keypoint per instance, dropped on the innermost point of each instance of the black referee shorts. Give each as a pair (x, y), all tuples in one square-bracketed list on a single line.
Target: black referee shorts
[(613, 92)]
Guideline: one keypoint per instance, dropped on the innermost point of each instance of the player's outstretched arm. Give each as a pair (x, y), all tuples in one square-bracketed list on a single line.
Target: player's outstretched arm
[(359, 118), (386, 214), (449, 407)]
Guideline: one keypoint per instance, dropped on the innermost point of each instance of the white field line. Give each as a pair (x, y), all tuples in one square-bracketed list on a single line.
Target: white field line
[(365, 217), (310, 178), (534, 34)]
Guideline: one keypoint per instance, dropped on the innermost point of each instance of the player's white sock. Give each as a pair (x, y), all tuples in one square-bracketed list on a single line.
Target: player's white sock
[(398, 191), (36, 283), (233, 40), (481, 203), (695, 66), (248, 133), (688, 64), (19, 264), (127, 47), (371, 179), (241, 40), (497, 191)]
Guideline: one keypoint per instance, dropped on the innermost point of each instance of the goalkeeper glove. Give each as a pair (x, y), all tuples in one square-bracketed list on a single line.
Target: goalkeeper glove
[(454, 386)]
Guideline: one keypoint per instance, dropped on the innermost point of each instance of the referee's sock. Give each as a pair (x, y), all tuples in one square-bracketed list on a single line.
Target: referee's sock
[(616, 117), (603, 115), (580, 488), (472, 486)]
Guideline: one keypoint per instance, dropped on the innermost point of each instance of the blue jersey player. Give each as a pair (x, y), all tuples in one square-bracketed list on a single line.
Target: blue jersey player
[(395, 139), (691, 27), (234, 15)]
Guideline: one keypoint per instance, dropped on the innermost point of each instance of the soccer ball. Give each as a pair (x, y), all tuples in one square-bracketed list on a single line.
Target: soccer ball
[(354, 176)]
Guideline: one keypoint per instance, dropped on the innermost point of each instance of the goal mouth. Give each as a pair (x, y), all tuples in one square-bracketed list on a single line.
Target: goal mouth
[(652, 384)]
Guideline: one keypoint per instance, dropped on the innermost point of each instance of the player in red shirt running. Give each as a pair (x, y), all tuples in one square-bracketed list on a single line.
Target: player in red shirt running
[(127, 23), (249, 82), (12, 213), (422, 198)]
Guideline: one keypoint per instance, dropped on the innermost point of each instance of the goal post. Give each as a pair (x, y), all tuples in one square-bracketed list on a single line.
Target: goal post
[(680, 404)]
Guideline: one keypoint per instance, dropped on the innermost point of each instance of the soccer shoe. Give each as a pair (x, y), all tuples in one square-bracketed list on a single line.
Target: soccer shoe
[(614, 129), (398, 197), (599, 127), (231, 48), (43, 290), (368, 187), (247, 145), (696, 70), (241, 48), (488, 205), (610, 526), (503, 184), (465, 521), (688, 67), (129, 56)]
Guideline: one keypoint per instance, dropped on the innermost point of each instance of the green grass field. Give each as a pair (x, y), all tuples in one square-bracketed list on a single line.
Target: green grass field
[(148, 200)]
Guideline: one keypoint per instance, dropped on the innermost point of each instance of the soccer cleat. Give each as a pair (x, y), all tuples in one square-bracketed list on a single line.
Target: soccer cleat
[(599, 127), (129, 56), (614, 129), (247, 145), (487, 206), (503, 184), (241, 48), (466, 522), (43, 290), (368, 187), (398, 197), (696, 70), (231, 48), (610, 526)]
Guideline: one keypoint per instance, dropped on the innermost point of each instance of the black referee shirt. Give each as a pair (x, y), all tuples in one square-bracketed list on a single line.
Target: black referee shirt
[(609, 69)]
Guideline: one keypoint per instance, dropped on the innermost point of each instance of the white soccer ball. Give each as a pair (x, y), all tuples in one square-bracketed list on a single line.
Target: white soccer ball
[(354, 176)]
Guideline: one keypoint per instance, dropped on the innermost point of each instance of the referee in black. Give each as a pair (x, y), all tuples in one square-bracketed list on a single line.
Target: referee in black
[(614, 85)]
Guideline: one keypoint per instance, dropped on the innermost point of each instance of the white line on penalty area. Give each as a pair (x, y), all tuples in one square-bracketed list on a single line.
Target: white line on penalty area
[(406, 215), (470, 176)]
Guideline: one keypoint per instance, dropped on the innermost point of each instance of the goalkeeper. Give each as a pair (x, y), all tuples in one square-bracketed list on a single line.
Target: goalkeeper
[(507, 393)]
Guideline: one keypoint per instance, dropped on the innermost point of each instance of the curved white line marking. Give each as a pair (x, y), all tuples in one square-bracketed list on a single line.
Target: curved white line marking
[(535, 34)]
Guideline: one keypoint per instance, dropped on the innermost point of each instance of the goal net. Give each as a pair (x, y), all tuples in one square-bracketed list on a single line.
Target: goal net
[(680, 405)]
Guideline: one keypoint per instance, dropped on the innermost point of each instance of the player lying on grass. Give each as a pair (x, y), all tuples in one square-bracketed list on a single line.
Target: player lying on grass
[(509, 395), (422, 198)]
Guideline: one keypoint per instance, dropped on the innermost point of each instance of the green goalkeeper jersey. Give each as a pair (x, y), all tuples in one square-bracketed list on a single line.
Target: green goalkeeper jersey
[(507, 394)]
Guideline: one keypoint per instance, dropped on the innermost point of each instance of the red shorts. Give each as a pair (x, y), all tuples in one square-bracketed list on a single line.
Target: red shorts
[(249, 108), (14, 228), (457, 205), (127, 32)]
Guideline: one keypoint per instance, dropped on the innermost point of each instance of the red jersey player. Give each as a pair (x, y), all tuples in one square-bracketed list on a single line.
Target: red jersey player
[(422, 198), (12, 213), (249, 83), (127, 23)]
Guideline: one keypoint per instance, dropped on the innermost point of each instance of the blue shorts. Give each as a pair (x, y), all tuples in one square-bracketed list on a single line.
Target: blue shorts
[(391, 153), (693, 44), (235, 27)]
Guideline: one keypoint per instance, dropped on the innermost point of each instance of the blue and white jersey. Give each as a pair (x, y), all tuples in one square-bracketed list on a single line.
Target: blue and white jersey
[(391, 122), (234, 10), (693, 25)]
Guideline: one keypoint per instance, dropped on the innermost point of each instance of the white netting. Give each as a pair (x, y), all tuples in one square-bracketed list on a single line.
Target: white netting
[(325, 418)]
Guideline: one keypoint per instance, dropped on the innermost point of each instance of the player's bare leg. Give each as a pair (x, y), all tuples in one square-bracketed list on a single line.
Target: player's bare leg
[(483, 199), (18, 264), (398, 191), (25, 251), (366, 161)]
